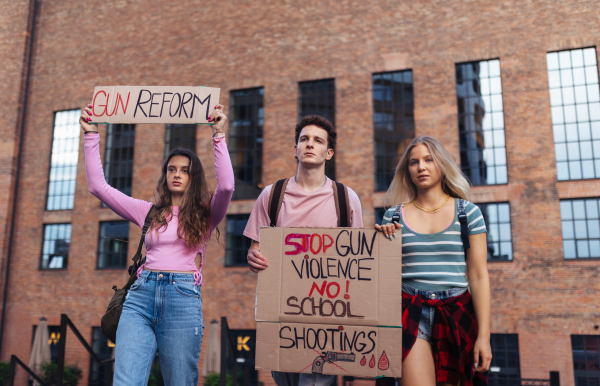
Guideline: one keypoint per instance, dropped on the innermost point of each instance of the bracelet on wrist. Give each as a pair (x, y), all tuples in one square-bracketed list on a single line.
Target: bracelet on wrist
[(218, 132), (90, 131)]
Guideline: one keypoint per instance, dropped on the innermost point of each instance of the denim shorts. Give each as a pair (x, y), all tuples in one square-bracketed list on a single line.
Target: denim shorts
[(428, 313)]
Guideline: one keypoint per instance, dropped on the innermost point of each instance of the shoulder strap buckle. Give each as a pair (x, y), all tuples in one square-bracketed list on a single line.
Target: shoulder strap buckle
[(464, 228)]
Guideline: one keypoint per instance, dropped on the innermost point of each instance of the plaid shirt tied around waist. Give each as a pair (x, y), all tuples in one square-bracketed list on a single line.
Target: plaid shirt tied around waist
[(453, 336)]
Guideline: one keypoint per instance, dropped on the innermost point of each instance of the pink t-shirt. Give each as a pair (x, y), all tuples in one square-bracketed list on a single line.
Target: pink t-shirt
[(302, 209), (164, 249)]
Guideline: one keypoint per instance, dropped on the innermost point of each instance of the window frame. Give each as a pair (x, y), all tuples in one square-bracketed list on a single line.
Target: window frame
[(258, 126), (169, 132), (576, 372), (330, 168), (126, 243), (65, 264), (487, 225), (108, 162), (404, 121), (573, 220), (513, 377), (594, 161), (492, 130), (50, 160), (237, 216)]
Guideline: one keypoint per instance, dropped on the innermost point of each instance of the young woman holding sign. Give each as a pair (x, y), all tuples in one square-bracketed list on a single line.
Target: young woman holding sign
[(439, 314), (163, 310)]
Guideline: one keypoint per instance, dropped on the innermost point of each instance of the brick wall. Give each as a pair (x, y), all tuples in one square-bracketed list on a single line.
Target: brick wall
[(238, 44)]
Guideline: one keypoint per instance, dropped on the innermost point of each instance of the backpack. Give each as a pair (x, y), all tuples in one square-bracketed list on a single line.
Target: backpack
[(340, 195), (462, 218)]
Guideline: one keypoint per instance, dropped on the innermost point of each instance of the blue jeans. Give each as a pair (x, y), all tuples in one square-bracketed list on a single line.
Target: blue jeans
[(162, 311), (428, 313)]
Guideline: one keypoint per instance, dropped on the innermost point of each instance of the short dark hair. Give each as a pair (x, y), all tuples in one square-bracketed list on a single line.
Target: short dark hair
[(319, 121)]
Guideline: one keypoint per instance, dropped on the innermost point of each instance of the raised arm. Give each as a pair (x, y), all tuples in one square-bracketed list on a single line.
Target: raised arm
[(223, 169), (123, 205)]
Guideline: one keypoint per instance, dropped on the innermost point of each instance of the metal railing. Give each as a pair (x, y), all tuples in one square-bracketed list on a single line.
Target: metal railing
[(228, 352), (14, 361), (62, 345)]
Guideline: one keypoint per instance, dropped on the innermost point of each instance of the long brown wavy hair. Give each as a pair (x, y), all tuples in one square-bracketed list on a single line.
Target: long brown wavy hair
[(194, 212)]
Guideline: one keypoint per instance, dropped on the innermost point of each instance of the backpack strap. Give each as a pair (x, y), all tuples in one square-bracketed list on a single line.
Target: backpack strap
[(276, 199), (342, 204), (464, 229), (149, 217)]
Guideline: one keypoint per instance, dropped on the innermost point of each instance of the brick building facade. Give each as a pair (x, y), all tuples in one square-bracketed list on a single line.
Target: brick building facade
[(543, 297)]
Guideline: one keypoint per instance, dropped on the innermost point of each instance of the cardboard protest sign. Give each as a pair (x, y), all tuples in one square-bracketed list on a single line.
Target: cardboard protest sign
[(330, 302), (153, 104)]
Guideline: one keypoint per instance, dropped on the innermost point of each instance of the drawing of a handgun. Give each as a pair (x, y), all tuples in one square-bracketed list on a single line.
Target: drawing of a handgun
[(330, 357)]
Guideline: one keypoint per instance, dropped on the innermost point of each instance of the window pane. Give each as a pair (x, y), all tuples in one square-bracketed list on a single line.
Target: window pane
[(580, 228), (55, 253), (497, 220), (112, 244), (505, 366), (63, 161), (574, 91), (180, 136), (318, 98), (483, 158), (103, 348), (118, 157), (237, 245), (393, 122), (586, 359), (245, 141)]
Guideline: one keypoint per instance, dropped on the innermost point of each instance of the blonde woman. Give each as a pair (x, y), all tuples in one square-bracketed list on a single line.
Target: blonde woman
[(446, 337)]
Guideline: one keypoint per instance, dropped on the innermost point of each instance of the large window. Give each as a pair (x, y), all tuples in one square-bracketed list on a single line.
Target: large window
[(63, 162), (180, 136), (586, 359), (237, 244), (580, 228), (499, 237), (246, 141), (112, 244), (118, 159), (575, 101), (318, 98), (505, 367), (481, 122), (55, 246), (53, 339), (103, 348), (393, 122)]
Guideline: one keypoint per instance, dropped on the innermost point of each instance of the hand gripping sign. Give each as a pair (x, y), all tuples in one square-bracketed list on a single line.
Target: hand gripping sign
[(330, 302), (153, 104)]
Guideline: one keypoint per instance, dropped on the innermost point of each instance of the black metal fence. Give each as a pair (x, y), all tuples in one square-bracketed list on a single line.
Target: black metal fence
[(229, 360), (62, 344)]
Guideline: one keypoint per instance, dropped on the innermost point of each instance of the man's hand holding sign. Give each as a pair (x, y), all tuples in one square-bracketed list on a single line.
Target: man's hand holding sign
[(330, 302)]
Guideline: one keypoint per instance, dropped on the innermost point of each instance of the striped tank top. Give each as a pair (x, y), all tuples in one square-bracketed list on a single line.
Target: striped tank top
[(436, 261)]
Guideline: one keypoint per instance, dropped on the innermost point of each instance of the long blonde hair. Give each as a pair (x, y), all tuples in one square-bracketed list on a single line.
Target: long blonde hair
[(454, 182)]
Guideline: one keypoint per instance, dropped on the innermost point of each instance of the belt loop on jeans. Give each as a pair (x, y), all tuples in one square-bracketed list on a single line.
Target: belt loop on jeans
[(171, 274)]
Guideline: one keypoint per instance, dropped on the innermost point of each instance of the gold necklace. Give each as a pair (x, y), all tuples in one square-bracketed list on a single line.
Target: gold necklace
[(431, 210)]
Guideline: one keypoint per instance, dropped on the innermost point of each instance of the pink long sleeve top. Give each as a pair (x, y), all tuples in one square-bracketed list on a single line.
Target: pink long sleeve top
[(164, 249)]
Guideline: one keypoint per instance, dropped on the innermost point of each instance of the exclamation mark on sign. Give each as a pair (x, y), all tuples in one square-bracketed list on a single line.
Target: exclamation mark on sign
[(347, 288)]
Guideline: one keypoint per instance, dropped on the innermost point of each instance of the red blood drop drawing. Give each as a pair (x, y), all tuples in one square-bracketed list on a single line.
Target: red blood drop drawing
[(384, 364), (340, 328), (363, 361), (306, 257), (372, 361)]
